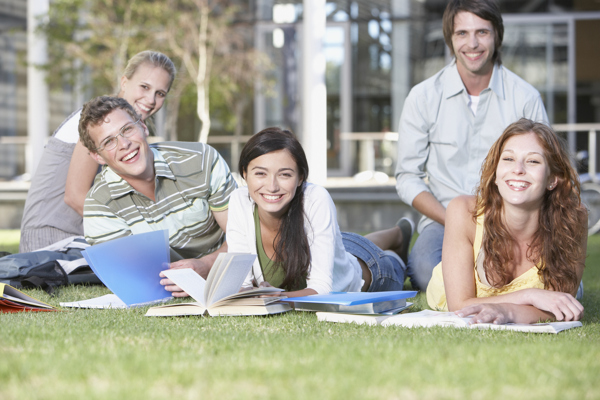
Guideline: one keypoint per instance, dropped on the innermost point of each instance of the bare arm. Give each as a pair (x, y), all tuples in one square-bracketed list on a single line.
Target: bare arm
[(524, 306), (80, 178), (428, 205)]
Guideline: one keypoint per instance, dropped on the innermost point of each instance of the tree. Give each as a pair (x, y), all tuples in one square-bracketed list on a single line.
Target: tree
[(97, 37), (215, 52)]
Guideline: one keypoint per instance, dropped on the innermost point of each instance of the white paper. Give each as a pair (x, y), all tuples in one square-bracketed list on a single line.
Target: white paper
[(107, 301), (188, 280)]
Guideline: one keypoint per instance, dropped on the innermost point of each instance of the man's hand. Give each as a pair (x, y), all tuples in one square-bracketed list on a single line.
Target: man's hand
[(428, 205), (200, 266)]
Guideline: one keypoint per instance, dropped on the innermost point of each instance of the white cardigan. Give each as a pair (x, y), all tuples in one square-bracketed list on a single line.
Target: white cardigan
[(331, 267)]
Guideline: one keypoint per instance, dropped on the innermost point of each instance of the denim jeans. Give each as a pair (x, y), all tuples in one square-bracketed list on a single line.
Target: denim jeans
[(425, 255), (387, 271)]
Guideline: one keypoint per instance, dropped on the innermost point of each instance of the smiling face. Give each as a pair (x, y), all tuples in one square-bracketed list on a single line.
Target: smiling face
[(146, 89), (132, 158), (522, 174), (272, 180), (473, 43)]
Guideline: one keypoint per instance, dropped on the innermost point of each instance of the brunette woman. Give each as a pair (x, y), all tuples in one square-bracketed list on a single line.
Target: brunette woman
[(515, 252), (292, 226)]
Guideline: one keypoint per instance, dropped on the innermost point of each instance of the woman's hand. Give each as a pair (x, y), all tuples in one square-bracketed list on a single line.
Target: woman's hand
[(563, 305), (267, 284), (501, 313)]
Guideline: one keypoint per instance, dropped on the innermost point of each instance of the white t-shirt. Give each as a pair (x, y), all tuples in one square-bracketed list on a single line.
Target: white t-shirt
[(331, 267), (473, 103), (68, 132)]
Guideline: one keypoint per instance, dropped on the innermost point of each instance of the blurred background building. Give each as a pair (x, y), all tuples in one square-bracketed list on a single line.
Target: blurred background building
[(375, 52)]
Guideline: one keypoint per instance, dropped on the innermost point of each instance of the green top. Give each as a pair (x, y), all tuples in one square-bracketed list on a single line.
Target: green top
[(272, 272)]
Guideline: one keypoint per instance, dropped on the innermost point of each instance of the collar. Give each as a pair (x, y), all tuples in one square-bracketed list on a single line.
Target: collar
[(454, 85)]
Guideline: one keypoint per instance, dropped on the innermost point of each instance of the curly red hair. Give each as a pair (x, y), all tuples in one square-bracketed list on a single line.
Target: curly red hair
[(556, 246)]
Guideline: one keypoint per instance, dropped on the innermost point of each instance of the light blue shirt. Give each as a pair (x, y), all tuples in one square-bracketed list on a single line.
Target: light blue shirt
[(441, 144)]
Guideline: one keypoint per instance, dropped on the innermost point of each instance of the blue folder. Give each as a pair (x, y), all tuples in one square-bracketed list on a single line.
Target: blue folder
[(130, 266)]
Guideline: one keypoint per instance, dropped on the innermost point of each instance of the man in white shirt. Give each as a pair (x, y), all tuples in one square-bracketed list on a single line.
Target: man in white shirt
[(450, 121)]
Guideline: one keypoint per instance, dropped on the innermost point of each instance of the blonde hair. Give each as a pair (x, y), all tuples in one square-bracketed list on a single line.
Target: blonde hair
[(153, 58)]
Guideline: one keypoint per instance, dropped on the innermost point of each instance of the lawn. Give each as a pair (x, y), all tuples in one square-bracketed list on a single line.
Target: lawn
[(120, 354)]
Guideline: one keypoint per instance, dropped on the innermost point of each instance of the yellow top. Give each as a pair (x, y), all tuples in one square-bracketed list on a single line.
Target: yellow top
[(436, 295)]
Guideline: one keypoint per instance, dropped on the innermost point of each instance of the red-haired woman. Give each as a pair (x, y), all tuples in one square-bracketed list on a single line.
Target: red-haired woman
[(515, 252)]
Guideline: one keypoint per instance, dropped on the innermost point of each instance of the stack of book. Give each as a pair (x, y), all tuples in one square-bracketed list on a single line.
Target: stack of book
[(374, 303), (13, 300)]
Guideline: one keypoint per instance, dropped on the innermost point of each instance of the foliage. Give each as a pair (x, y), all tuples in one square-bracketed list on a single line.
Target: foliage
[(96, 38), (90, 42)]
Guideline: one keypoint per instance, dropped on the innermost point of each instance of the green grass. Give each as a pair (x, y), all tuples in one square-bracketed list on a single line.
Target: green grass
[(9, 240), (120, 354)]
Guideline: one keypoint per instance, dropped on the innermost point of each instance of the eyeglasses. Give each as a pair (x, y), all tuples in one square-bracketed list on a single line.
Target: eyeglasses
[(126, 131)]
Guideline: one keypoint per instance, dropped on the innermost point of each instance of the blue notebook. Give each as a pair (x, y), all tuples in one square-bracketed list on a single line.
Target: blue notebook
[(354, 302), (354, 298), (130, 266)]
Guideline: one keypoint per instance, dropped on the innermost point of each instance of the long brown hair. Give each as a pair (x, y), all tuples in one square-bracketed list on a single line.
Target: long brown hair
[(292, 249), (556, 246)]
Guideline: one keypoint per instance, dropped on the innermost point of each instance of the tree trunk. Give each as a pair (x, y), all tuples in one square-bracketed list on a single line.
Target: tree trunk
[(202, 78)]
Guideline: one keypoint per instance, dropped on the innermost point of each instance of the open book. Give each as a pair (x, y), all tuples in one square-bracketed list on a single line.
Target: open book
[(428, 318), (13, 300), (220, 293)]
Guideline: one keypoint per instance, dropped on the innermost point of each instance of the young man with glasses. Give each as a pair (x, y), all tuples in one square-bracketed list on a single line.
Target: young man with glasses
[(180, 186)]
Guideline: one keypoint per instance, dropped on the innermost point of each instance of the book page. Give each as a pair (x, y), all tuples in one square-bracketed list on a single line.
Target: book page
[(7, 291), (188, 280), (215, 271), (25, 302), (360, 319), (232, 277), (551, 327), (109, 301), (253, 293), (106, 301), (427, 318)]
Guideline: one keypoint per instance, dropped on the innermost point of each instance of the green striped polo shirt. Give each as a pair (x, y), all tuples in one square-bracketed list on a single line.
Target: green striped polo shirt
[(192, 180)]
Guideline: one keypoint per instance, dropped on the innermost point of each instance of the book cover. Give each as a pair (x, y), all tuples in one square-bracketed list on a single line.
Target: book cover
[(354, 302), (13, 300), (130, 266)]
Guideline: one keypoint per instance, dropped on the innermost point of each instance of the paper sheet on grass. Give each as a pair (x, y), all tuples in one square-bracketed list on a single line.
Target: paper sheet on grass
[(105, 302)]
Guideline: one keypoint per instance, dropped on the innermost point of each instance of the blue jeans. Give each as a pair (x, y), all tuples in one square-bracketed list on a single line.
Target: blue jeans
[(387, 271), (425, 255)]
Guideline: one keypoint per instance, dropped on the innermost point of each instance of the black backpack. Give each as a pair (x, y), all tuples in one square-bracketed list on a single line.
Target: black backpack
[(47, 269)]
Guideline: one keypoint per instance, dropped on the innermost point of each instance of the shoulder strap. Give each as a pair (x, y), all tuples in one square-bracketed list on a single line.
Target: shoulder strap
[(478, 237)]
